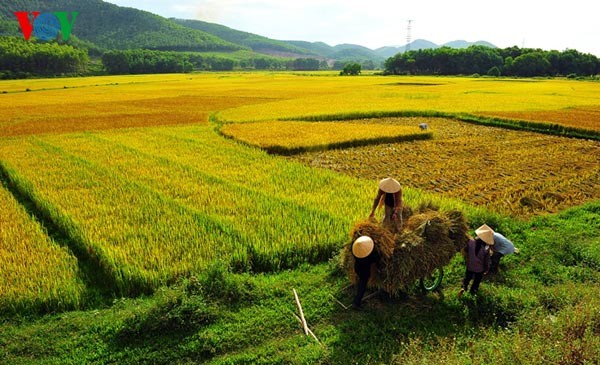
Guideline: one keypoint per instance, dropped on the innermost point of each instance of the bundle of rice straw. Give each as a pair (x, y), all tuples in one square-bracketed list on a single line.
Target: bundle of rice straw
[(429, 240)]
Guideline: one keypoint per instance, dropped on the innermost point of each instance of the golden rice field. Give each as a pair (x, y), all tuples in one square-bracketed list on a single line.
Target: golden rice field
[(511, 172), (440, 94), (131, 169), (293, 136), (154, 204), (36, 272)]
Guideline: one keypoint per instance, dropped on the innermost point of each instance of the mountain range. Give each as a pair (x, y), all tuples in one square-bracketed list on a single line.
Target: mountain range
[(103, 26)]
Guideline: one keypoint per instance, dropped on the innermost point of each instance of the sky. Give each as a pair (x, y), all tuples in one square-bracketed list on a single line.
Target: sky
[(547, 24)]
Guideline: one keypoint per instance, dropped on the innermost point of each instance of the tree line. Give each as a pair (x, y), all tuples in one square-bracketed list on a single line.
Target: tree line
[(151, 61), (512, 61), (20, 58)]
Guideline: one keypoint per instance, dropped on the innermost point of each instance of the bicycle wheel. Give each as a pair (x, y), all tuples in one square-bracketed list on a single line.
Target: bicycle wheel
[(433, 281)]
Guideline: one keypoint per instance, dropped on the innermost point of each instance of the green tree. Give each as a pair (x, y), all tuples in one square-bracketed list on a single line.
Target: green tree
[(531, 64), (352, 68), (494, 71)]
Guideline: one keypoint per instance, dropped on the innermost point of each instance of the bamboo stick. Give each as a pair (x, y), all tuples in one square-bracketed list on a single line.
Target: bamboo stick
[(302, 319), (309, 330)]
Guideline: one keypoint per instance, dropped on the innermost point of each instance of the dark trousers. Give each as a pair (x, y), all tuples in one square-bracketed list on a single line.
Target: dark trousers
[(494, 262), (476, 277), (360, 291)]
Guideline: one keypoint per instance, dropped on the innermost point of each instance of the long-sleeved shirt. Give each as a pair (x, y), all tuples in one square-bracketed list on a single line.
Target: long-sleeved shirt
[(502, 244)]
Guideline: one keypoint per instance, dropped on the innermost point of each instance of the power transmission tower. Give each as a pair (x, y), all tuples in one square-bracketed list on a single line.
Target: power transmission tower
[(408, 28)]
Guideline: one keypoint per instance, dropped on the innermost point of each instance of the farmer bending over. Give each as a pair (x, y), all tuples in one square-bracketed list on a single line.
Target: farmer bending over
[(501, 247), (389, 193)]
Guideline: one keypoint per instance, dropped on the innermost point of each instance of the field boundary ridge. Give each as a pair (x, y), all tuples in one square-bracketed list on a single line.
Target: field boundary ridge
[(515, 124)]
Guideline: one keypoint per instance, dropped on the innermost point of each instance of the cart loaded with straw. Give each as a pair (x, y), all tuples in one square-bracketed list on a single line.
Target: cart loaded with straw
[(428, 241)]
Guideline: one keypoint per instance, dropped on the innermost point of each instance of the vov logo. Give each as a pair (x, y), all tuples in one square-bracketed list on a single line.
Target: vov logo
[(46, 26)]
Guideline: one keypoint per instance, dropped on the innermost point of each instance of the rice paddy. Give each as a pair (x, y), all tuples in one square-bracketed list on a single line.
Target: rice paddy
[(133, 173), (151, 218), (36, 272), (292, 137)]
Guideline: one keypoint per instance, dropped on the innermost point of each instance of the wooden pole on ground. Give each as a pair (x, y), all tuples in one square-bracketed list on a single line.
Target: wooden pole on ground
[(309, 331), (301, 313)]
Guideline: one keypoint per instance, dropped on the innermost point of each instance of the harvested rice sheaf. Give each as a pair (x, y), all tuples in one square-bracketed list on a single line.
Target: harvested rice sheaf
[(429, 240)]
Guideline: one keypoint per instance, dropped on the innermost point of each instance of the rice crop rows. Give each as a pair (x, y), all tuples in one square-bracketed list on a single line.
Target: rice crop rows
[(511, 172), (35, 271), (150, 216), (293, 136)]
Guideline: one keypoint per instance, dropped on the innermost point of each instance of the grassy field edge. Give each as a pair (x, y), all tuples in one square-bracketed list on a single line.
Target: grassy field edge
[(544, 305)]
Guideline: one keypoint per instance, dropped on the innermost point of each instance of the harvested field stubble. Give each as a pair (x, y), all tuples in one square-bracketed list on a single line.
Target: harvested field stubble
[(513, 172)]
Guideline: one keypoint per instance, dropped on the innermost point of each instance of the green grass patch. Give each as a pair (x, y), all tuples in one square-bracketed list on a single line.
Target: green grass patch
[(219, 317)]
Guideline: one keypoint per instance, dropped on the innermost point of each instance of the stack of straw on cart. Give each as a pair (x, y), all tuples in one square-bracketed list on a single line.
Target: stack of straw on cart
[(429, 240)]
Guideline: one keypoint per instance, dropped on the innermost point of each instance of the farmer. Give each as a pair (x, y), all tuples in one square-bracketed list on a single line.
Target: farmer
[(364, 257), (390, 194), (478, 260), (501, 247)]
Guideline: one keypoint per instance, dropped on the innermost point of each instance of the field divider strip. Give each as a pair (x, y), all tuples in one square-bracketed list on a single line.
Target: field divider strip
[(514, 124)]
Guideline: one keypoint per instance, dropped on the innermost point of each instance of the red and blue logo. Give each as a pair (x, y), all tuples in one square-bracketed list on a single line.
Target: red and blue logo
[(46, 26)]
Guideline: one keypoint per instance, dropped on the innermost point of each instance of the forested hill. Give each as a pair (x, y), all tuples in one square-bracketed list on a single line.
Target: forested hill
[(112, 27), (256, 42)]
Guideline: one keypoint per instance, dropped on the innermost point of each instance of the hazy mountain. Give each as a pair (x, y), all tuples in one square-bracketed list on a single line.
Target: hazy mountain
[(414, 45), (354, 52), (319, 48), (255, 42), (296, 49), (425, 44), (465, 44)]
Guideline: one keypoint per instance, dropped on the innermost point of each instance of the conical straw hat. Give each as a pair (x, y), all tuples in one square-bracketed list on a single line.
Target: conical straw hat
[(389, 185), (486, 234), (362, 247)]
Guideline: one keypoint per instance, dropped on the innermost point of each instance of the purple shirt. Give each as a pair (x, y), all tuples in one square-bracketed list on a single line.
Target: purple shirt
[(477, 262)]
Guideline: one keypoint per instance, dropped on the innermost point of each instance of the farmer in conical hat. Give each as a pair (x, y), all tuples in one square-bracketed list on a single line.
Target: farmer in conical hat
[(501, 247), (364, 257), (477, 257), (390, 194)]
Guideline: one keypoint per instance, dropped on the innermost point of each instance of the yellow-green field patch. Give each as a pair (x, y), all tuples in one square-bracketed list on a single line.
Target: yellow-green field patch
[(293, 136), (35, 272)]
